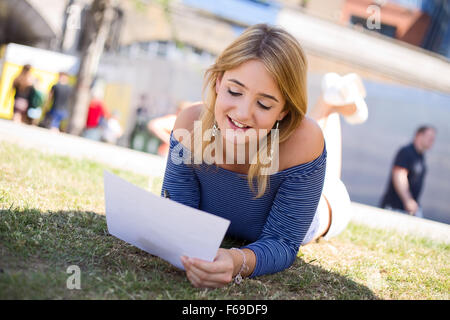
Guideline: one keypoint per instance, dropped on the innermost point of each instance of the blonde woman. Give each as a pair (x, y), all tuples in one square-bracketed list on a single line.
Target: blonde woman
[(258, 85)]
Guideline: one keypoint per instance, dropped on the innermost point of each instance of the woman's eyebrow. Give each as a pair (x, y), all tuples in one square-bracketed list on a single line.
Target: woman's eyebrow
[(261, 94)]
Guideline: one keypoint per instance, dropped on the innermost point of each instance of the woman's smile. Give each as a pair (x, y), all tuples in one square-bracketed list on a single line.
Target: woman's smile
[(236, 125)]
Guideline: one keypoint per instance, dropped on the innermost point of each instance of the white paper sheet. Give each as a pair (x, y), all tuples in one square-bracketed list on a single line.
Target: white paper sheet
[(158, 225)]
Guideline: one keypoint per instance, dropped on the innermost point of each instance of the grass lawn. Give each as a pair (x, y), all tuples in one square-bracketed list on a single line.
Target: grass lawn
[(52, 217)]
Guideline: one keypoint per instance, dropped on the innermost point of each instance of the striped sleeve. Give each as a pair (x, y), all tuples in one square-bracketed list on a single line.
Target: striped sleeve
[(180, 179), (289, 219)]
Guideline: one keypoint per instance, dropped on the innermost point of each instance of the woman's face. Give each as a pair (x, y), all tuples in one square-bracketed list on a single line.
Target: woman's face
[(248, 98)]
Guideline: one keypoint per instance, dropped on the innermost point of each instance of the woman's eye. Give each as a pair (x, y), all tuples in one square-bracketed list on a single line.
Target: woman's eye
[(234, 94), (263, 106)]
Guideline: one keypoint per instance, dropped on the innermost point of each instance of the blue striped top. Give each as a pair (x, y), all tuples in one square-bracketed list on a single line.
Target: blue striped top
[(275, 224)]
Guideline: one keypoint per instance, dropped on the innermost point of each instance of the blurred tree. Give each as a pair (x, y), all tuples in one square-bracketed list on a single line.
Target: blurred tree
[(304, 3), (141, 5), (165, 4), (100, 15)]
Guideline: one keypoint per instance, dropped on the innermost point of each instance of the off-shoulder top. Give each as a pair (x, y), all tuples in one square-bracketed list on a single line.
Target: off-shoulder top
[(275, 224)]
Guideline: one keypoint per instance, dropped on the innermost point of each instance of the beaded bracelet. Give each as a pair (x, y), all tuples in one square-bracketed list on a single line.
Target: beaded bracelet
[(238, 279)]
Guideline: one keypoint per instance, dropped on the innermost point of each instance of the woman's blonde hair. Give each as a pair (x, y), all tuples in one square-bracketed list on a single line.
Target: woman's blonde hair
[(285, 61)]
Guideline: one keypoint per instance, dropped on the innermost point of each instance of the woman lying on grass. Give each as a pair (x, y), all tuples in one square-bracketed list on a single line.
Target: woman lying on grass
[(249, 154)]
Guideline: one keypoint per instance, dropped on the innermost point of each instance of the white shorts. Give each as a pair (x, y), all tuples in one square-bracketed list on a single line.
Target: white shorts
[(336, 193), (341, 209)]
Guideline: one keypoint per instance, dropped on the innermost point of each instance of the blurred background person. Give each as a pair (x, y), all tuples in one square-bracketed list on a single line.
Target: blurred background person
[(140, 138), (22, 85), (97, 114), (162, 126), (142, 110), (36, 101), (59, 94), (111, 129), (408, 174)]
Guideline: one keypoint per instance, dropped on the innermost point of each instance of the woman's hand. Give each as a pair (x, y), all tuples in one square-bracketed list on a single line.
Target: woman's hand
[(204, 274)]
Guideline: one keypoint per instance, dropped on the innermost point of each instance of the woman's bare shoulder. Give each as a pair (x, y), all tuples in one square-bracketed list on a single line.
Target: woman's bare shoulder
[(187, 116), (304, 145)]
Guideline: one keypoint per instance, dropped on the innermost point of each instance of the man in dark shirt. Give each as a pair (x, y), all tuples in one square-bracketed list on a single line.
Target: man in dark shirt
[(60, 94), (408, 173)]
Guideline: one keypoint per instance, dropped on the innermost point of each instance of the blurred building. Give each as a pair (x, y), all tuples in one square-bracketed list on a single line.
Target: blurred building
[(25, 23), (155, 48), (333, 41), (423, 23), (204, 27), (438, 34), (396, 21), (57, 25)]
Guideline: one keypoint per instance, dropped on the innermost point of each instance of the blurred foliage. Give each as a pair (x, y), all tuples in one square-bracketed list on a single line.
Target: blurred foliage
[(142, 5)]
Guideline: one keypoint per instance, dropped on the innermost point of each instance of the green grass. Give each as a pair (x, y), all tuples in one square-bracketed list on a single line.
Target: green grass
[(52, 217)]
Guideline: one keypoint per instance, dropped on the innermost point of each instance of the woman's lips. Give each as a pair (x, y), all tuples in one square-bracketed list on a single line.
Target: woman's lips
[(234, 127)]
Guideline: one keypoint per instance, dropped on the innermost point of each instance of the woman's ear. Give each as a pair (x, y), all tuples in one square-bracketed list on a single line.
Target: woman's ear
[(282, 115)]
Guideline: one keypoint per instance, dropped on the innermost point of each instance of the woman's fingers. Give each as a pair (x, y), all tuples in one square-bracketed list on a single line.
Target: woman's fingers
[(201, 283), (192, 277), (221, 277), (223, 262), (206, 274)]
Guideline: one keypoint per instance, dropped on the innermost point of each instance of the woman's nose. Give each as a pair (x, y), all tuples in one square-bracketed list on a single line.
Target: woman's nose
[(243, 112)]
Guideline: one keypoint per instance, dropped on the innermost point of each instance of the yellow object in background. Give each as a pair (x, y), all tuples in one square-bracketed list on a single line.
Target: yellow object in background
[(45, 66), (117, 98), (10, 71)]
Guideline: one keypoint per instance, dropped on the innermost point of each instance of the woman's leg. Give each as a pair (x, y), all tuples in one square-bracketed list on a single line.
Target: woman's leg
[(328, 118), (334, 195)]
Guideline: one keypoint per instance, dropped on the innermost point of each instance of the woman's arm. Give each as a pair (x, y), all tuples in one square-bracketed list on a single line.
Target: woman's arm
[(180, 181), (291, 216), (162, 127), (289, 220)]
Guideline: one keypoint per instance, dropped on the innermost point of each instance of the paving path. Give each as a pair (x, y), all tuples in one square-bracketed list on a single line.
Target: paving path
[(151, 165)]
